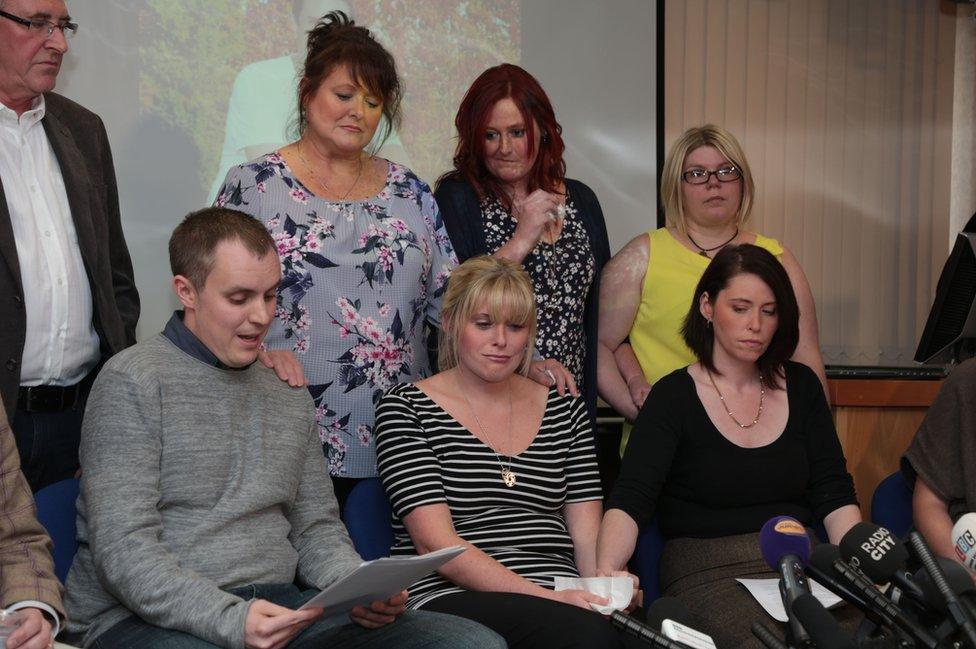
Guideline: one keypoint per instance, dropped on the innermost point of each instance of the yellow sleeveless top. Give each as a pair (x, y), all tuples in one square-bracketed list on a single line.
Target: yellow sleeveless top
[(672, 274)]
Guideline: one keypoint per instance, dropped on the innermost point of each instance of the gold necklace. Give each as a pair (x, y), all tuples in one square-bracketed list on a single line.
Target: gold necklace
[(508, 476), (549, 261), (315, 176), (762, 396)]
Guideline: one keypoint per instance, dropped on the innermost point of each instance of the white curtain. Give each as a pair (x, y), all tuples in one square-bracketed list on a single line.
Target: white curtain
[(844, 108)]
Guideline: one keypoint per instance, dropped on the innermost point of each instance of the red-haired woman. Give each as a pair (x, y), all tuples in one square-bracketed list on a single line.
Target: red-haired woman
[(508, 196)]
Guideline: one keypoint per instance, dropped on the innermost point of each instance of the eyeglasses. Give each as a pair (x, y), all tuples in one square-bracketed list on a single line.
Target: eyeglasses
[(43, 27), (702, 176)]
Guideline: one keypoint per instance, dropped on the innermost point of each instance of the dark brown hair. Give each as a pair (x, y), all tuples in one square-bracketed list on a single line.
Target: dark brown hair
[(337, 40), (494, 84), (730, 262), (194, 241)]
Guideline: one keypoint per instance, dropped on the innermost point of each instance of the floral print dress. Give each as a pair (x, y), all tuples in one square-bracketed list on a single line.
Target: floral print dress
[(562, 274), (360, 280)]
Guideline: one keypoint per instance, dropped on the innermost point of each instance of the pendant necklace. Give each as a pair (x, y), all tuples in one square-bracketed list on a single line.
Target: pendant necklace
[(762, 395), (508, 476), (321, 183), (548, 252), (704, 251)]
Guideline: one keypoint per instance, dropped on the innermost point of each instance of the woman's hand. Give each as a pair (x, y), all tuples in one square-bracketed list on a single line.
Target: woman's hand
[(638, 598), (580, 598), (536, 213), (550, 372), (639, 389), (285, 365)]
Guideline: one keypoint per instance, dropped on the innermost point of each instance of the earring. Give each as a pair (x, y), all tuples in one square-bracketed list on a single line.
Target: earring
[(708, 323)]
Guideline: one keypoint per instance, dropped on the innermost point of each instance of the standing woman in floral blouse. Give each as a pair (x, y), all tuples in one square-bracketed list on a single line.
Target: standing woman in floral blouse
[(364, 254), (508, 196)]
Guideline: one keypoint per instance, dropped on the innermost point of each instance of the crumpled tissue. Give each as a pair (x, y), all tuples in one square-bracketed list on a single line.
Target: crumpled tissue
[(619, 590)]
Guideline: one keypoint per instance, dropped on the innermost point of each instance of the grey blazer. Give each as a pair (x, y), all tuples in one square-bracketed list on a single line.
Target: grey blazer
[(80, 144)]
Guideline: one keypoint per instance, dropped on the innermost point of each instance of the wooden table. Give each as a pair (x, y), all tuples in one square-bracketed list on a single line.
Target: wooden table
[(876, 421)]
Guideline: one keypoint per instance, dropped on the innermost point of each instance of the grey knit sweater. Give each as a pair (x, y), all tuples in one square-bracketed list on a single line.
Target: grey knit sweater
[(197, 479)]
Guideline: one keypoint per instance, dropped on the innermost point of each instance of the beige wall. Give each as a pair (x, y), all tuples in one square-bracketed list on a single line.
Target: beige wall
[(845, 110)]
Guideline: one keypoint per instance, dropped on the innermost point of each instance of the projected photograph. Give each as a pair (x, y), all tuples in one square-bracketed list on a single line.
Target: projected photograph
[(225, 72)]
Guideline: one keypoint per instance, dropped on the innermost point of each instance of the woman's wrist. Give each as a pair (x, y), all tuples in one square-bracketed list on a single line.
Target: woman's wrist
[(633, 377), (524, 241)]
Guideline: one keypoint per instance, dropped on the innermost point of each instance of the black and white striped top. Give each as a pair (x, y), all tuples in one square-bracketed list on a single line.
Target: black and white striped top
[(425, 457)]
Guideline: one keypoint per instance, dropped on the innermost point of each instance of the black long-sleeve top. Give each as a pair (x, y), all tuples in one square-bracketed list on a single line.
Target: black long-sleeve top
[(703, 486)]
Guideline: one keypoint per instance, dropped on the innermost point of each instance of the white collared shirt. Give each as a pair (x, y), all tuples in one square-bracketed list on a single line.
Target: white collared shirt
[(61, 345)]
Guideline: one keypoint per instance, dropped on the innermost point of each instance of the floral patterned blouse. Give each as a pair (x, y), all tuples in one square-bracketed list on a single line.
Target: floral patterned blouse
[(360, 279), (561, 274)]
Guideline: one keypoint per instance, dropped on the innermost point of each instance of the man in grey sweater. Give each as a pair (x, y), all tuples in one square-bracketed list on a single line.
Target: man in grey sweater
[(206, 514)]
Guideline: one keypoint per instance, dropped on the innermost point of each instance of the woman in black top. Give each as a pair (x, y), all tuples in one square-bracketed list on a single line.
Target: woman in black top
[(508, 196), (725, 444)]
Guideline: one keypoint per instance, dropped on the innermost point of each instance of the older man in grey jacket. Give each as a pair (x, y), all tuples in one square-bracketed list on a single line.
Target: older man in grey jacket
[(207, 516)]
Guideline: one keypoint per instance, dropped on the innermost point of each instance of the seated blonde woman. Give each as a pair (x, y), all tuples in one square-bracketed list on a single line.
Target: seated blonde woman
[(481, 456)]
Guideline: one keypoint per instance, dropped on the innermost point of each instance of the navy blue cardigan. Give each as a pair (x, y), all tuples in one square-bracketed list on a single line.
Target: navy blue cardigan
[(461, 211)]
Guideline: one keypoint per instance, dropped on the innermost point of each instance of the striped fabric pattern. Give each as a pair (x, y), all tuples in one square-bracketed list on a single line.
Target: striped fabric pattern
[(425, 457)]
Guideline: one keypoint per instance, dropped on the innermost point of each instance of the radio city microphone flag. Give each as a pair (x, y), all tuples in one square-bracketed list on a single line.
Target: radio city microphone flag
[(874, 551)]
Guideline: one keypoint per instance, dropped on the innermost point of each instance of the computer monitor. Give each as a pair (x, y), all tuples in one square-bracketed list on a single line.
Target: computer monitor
[(950, 331)]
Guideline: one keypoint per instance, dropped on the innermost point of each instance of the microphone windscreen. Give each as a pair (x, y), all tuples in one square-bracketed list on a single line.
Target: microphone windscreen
[(669, 608), (964, 540), (958, 577), (874, 550), (823, 557), (824, 630), (783, 535)]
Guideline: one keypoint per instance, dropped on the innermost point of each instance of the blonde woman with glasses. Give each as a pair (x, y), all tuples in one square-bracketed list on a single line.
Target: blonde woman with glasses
[(707, 193)]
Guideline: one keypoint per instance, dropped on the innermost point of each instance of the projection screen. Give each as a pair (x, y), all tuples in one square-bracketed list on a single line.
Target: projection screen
[(188, 87)]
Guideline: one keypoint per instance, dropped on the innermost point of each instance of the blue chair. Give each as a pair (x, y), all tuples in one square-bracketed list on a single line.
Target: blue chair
[(367, 516), (891, 505), (646, 561), (56, 512)]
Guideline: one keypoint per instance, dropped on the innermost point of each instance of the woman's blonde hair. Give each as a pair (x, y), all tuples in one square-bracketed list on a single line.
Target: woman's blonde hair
[(693, 138), (499, 286)]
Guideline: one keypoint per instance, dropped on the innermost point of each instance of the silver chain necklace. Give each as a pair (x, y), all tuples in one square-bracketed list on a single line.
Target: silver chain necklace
[(508, 476)]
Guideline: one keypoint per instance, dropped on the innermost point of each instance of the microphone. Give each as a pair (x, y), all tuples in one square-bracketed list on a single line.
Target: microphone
[(821, 568), (964, 540), (767, 637), (676, 623), (785, 547), (892, 615), (820, 624), (643, 632), (960, 581), (958, 613), (880, 556)]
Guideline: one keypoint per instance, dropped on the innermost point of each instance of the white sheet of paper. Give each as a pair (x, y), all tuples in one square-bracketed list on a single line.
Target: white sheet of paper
[(379, 579), (620, 590), (766, 592)]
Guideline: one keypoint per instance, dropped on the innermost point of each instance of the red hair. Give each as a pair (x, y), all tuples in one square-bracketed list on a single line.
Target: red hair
[(494, 84)]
